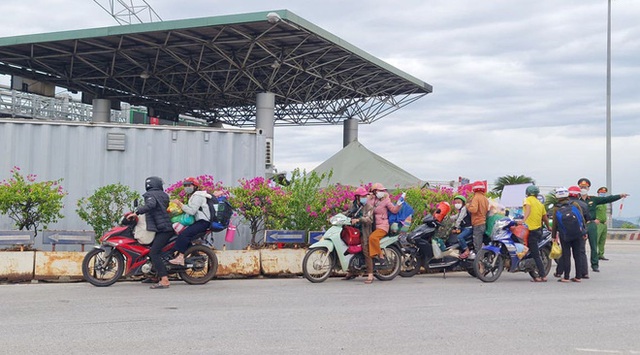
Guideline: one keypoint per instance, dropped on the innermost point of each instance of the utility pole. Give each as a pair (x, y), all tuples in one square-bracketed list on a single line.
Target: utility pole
[(609, 220)]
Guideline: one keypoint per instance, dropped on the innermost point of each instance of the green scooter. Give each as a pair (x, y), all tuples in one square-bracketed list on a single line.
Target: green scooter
[(331, 252)]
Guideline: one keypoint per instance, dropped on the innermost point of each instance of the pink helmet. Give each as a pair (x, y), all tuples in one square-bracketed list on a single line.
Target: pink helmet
[(360, 191)]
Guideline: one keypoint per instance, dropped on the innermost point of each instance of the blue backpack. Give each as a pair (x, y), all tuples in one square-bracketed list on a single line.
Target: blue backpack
[(220, 212), (570, 220)]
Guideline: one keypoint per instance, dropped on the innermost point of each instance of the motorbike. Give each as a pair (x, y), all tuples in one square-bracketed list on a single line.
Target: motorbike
[(331, 252), (502, 253), (417, 251), (119, 253)]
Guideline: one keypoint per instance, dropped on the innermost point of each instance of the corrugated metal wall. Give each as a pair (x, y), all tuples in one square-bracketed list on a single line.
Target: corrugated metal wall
[(77, 152)]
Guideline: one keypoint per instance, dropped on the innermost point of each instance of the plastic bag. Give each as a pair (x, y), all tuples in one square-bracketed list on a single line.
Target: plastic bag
[(437, 253), (556, 250), (173, 209), (184, 219)]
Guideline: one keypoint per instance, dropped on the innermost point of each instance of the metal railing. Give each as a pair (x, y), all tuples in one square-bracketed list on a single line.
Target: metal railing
[(18, 104)]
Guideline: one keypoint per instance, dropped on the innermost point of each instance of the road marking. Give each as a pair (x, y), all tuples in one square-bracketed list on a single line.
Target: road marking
[(600, 351)]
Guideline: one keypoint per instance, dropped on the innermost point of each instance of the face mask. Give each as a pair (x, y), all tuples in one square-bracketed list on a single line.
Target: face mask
[(584, 191), (458, 206), (380, 194), (189, 189), (602, 194), (363, 200)]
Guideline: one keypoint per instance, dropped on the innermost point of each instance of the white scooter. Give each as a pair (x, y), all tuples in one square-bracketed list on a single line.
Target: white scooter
[(331, 252)]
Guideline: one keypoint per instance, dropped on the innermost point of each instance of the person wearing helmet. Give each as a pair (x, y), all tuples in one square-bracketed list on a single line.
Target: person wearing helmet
[(361, 213), (382, 205), (197, 207), (535, 216), (158, 220), (462, 225), (574, 196), (478, 207), (571, 236), (592, 224)]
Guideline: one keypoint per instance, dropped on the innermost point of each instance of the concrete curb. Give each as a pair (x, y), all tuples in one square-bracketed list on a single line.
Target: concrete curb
[(281, 261), (623, 234), (17, 266), (67, 265)]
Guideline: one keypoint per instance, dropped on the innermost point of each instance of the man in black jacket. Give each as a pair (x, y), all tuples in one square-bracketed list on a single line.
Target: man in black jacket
[(155, 206)]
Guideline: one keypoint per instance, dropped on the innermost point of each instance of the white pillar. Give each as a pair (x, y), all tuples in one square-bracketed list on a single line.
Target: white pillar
[(265, 120), (350, 131), (101, 110)]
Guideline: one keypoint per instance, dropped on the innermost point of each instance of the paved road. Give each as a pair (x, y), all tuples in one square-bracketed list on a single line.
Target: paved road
[(424, 314)]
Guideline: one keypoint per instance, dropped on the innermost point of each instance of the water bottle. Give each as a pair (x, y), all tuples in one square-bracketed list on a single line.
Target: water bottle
[(401, 199)]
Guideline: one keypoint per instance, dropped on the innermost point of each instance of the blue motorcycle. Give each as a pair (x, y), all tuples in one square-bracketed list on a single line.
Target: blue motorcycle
[(502, 253)]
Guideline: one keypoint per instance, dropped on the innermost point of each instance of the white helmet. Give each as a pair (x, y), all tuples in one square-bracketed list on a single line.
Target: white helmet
[(561, 192)]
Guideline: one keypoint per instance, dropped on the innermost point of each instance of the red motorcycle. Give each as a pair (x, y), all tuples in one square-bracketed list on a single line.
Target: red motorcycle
[(119, 253)]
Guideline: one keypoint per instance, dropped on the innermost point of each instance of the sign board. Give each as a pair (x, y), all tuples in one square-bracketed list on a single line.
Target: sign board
[(284, 236), (315, 236), (15, 237), (68, 237), (513, 195)]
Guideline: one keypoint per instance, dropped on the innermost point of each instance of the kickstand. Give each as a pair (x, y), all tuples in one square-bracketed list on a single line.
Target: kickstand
[(444, 273)]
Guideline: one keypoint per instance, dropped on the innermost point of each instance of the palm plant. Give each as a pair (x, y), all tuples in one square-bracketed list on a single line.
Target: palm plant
[(503, 181)]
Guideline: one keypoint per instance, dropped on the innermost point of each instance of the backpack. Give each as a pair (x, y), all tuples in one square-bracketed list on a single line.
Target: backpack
[(220, 212), (571, 223)]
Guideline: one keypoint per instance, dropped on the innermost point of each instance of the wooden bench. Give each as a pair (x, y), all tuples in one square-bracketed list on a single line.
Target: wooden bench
[(54, 237), (21, 238)]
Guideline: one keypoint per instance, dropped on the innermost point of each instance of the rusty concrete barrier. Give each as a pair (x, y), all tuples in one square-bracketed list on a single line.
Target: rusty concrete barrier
[(238, 262), (16, 266), (58, 265), (623, 234), (281, 261)]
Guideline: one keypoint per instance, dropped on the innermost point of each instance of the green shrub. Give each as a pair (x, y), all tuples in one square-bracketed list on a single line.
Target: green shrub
[(105, 207)]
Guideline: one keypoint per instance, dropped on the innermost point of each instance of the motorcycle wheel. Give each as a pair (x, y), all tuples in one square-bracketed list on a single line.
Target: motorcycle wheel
[(483, 268), (472, 272), (317, 264), (546, 262), (99, 271), (394, 259), (204, 265), (409, 265)]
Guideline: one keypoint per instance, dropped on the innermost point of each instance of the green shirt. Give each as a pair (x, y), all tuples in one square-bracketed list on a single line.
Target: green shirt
[(593, 201), (601, 213)]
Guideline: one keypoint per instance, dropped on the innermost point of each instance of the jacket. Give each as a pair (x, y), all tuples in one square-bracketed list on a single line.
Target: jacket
[(155, 206), (462, 219), (593, 201), (197, 206), (478, 207), (381, 209)]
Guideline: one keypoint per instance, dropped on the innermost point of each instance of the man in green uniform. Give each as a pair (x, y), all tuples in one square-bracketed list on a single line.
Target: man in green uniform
[(601, 215), (592, 225)]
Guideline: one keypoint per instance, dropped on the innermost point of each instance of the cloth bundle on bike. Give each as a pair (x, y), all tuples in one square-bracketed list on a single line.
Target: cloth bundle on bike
[(184, 219), (220, 212), (402, 219), (350, 235)]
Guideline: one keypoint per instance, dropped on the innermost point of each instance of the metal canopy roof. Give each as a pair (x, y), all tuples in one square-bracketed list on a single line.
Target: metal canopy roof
[(212, 68)]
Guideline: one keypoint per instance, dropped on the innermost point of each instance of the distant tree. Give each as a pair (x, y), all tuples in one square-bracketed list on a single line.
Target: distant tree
[(503, 181), (629, 225)]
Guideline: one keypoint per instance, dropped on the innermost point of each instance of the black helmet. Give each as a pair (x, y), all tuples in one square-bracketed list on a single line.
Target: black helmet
[(153, 182), (583, 181)]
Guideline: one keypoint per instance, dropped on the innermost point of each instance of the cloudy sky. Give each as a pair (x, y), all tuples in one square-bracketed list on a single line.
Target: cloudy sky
[(519, 86)]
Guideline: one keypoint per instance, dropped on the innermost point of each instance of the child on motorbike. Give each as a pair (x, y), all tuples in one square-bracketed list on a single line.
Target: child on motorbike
[(382, 205), (197, 207), (462, 224), (361, 214), (155, 206)]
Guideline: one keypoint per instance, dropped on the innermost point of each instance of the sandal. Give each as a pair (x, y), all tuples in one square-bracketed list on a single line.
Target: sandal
[(158, 286), (539, 279), (576, 280), (177, 261), (563, 280), (368, 281), (349, 277)]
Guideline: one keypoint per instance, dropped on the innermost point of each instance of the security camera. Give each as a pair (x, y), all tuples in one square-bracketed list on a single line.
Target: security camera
[(273, 17)]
